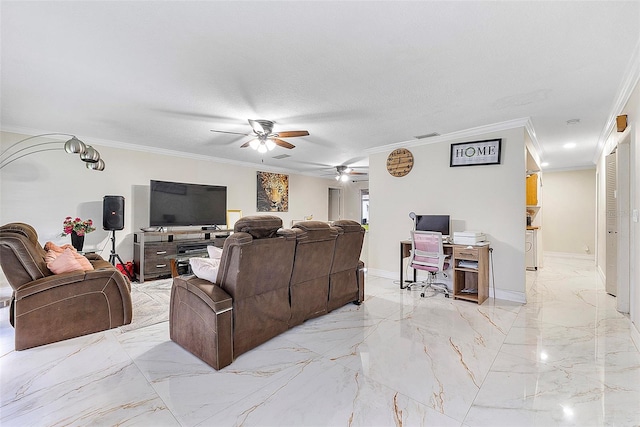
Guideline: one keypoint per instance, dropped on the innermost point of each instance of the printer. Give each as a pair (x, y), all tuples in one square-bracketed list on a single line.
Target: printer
[(468, 237)]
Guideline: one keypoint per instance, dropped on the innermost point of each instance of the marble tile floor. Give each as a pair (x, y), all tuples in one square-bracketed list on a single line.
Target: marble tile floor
[(564, 358)]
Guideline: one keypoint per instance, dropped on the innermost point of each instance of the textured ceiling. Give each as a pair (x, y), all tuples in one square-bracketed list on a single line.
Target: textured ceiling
[(356, 75)]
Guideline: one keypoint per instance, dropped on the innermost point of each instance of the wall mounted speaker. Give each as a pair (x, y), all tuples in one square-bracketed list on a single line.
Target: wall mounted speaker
[(113, 213)]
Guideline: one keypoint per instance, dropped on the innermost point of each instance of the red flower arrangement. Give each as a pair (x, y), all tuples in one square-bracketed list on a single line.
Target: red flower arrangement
[(77, 225)]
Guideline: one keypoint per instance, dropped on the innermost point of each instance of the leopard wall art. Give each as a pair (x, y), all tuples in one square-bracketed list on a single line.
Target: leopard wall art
[(273, 192)]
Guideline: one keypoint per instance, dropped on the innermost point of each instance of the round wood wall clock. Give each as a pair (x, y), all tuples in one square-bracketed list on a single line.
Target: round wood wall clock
[(400, 162)]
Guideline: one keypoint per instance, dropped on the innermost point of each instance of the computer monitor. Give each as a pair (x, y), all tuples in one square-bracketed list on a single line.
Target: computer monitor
[(433, 223)]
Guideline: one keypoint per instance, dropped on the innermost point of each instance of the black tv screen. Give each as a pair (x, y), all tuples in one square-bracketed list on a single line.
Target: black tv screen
[(181, 204), (433, 223)]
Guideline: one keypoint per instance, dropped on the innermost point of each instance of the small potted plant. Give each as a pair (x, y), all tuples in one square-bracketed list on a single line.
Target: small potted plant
[(77, 228)]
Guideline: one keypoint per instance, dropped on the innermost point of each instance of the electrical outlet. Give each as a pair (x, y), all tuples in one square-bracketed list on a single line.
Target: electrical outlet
[(634, 215)]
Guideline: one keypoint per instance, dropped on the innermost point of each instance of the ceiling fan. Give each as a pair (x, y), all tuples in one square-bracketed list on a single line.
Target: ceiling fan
[(344, 172), (264, 138)]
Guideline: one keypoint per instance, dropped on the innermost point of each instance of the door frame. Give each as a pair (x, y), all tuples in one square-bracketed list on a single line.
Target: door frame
[(340, 203), (623, 184)]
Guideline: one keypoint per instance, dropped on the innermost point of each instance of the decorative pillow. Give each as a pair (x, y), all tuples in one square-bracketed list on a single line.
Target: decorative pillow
[(84, 262), (205, 268), (50, 246), (64, 263), (52, 254), (53, 251), (214, 252)]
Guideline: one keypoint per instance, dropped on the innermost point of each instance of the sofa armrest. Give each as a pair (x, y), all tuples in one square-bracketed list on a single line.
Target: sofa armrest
[(69, 305), (50, 282), (201, 321), (210, 293), (92, 256)]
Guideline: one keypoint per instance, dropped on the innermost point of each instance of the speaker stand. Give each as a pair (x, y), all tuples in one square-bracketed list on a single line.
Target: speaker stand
[(113, 256)]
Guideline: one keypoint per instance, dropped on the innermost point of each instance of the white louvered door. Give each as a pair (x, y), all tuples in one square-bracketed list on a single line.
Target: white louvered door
[(612, 226)]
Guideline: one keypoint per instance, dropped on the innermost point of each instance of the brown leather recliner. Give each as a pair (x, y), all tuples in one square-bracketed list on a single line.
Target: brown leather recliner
[(346, 281), (309, 286), (249, 303), (46, 307)]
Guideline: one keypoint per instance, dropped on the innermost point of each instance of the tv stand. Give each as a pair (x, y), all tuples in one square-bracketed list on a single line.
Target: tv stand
[(152, 250)]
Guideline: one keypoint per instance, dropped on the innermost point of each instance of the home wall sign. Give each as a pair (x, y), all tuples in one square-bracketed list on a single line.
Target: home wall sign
[(476, 153), (273, 192)]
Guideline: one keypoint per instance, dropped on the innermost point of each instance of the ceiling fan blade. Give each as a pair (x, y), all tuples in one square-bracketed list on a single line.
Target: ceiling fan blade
[(232, 133), (292, 133), (246, 144), (357, 173), (282, 143)]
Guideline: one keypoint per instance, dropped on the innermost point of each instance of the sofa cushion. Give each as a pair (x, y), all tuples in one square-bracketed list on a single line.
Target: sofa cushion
[(53, 251), (205, 268), (214, 252), (259, 226)]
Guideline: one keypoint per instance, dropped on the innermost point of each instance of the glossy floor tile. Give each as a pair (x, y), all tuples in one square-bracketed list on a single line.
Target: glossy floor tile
[(564, 358)]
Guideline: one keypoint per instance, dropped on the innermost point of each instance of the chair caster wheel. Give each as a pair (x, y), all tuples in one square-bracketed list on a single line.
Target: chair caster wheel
[(446, 295), (422, 295)]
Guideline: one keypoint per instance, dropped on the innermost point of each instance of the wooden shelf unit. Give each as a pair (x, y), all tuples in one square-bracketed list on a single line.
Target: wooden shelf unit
[(465, 278), (153, 250)]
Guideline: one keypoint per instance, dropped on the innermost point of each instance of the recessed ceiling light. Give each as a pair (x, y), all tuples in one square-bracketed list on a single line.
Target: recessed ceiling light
[(544, 164), (573, 121), (570, 145)]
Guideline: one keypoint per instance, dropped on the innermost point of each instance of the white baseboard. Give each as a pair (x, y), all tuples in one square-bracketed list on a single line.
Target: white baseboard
[(603, 278), (383, 273), (635, 335), (514, 296), (569, 255)]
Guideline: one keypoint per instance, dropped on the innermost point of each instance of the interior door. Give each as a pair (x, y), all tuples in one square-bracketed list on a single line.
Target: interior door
[(611, 273), (335, 198)]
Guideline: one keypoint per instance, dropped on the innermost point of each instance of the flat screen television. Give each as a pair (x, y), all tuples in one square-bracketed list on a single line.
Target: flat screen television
[(433, 223), (174, 204)]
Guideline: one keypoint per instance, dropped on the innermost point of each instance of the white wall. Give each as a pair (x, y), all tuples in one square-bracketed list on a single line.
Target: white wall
[(632, 110), (569, 214), (42, 189), (488, 198)]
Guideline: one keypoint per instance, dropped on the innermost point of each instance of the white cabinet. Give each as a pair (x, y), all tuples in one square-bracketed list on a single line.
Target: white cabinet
[(531, 249)]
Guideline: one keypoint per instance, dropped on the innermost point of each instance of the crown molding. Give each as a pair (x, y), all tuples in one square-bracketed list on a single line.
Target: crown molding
[(466, 133), (629, 82), (570, 169)]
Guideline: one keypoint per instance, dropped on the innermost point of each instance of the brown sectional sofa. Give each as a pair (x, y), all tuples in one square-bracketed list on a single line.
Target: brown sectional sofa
[(269, 280), (48, 307)]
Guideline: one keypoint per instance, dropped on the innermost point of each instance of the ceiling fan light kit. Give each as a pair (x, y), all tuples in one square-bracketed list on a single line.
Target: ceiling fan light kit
[(265, 139), (343, 173)]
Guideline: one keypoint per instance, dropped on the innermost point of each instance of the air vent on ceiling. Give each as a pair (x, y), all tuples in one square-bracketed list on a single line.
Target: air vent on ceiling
[(428, 135), (281, 156)]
